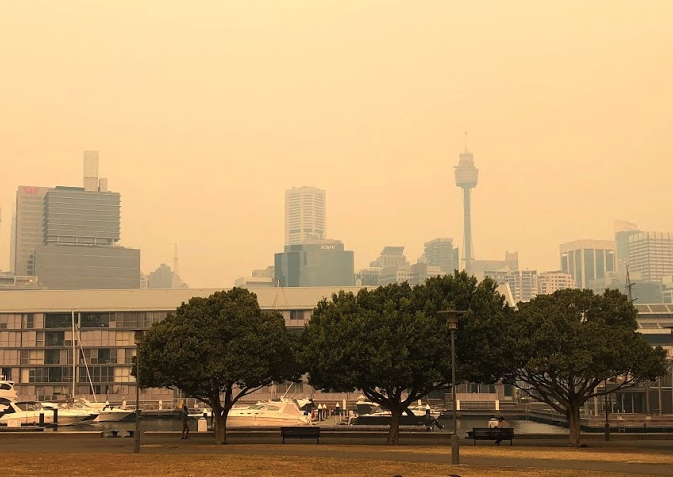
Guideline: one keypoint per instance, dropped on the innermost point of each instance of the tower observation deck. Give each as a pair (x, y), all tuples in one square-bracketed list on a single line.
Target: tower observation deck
[(466, 178)]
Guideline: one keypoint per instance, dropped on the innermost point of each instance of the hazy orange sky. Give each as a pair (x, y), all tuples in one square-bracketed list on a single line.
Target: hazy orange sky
[(204, 112)]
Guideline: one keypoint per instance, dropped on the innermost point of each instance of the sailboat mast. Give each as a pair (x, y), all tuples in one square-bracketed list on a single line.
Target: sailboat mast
[(629, 285)]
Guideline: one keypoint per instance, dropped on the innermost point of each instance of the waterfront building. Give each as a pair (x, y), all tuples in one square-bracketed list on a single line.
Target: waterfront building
[(37, 344)]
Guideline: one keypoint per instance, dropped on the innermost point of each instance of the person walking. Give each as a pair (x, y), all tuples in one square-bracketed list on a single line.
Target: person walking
[(185, 422), (501, 425)]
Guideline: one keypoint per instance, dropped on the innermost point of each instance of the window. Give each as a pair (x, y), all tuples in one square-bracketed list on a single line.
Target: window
[(6, 373), (58, 320), (95, 320), (54, 338), (38, 375), (52, 356), (29, 321)]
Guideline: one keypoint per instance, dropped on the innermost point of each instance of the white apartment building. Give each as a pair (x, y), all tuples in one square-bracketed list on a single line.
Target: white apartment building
[(305, 215), (549, 282)]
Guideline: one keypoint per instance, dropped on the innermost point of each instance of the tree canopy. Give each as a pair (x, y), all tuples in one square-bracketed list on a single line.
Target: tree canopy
[(219, 349), (559, 348), (390, 343)]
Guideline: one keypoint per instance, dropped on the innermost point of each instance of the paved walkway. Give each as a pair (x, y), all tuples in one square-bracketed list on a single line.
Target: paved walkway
[(201, 445)]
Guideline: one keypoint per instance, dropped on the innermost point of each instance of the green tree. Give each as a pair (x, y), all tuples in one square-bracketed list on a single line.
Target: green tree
[(384, 343), (559, 348), (217, 350)]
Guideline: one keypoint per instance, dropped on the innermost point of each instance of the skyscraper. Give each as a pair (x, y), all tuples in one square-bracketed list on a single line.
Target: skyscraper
[(66, 235), (440, 252), (305, 216), (588, 261), (466, 178), (651, 256), (28, 227)]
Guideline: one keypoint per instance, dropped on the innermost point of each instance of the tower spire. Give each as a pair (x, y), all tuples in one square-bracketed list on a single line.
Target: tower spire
[(466, 178)]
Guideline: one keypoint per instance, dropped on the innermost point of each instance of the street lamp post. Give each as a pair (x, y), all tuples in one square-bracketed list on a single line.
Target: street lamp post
[(138, 338), (607, 413), (452, 317)]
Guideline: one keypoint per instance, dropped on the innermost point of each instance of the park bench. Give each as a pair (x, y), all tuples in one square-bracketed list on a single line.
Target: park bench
[(130, 433), (113, 433), (491, 434), (300, 432)]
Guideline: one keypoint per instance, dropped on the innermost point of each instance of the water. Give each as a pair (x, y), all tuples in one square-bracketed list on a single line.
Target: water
[(521, 426), (465, 424)]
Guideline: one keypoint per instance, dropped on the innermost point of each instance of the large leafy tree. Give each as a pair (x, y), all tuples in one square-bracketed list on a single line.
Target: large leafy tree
[(219, 349), (559, 348), (389, 343)]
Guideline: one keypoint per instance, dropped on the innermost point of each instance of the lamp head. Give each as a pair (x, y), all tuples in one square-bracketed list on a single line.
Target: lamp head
[(452, 317)]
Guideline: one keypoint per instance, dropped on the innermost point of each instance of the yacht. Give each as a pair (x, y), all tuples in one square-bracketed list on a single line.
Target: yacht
[(106, 411), (27, 413), (7, 390), (266, 413), (269, 413)]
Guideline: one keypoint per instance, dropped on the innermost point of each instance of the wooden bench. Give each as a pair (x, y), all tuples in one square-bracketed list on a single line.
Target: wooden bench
[(300, 432), (491, 434)]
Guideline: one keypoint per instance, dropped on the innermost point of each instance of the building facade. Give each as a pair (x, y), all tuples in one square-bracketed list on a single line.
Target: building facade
[(318, 264), (441, 253), (74, 216), (305, 215), (66, 267), (651, 256), (28, 228), (549, 282), (51, 342), (588, 260), (66, 236)]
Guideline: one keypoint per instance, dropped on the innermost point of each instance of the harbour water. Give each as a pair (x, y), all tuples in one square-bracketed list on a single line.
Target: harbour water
[(464, 424)]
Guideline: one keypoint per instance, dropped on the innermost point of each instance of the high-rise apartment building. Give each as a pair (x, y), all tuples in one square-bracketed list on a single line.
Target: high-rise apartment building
[(651, 256), (549, 282), (29, 228), (588, 261), (441, 253), (305, 215)]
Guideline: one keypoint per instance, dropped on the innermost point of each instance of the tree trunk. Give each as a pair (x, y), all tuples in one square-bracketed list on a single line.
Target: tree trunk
[(573, 414), (220, 427), (394, 431)]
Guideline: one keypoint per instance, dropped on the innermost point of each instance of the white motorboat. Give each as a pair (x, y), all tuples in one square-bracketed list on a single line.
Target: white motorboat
[(106, 411), (28, 413), (268, 413), (7, 390)]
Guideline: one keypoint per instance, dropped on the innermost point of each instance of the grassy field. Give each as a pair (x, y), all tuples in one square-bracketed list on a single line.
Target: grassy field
[(203, 464)]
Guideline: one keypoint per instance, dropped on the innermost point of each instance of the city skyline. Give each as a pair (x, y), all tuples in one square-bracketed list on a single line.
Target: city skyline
[(203, 118)]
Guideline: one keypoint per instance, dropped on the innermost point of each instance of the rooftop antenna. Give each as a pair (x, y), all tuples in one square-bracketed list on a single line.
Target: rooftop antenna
[(176, 280)]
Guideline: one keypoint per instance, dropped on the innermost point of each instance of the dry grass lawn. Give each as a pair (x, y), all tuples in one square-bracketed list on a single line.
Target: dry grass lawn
[(632, 456), (205, 465)]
